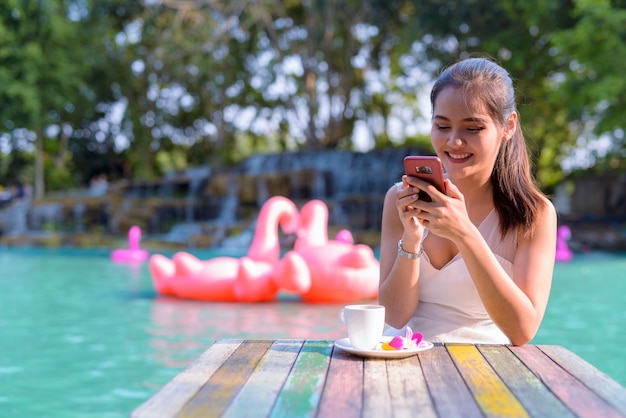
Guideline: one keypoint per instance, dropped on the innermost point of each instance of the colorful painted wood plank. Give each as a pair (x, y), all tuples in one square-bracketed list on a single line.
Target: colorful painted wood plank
[(178, 391), (306, 378), (408, 389), (376, 396), (527, 388), (445, 384), (343, 391), (302, 391), (603, 385), (217, 393), (258, 395), (492, 395), (573, 393)]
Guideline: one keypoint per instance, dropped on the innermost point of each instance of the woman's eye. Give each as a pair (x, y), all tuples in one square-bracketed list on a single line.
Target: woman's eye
[(475, 130), (442, 127)]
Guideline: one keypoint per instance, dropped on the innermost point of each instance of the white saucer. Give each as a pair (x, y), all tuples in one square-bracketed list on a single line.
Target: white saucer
[(378, 352)]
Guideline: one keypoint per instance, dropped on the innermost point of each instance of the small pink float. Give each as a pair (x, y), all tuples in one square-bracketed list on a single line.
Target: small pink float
[(133, 253), (563, 252)]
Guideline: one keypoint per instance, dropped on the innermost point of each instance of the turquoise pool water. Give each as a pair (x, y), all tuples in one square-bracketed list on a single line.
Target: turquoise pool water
[(587, 311), (81, 336)]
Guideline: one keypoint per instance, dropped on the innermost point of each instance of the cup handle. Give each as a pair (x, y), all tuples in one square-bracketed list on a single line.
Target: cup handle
[(342, 316)]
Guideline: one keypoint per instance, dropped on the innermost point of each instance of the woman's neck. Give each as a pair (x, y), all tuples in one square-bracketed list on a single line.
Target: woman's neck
[(478, 197)]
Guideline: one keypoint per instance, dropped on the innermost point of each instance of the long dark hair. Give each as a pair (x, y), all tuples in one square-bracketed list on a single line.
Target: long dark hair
[(517, 198)]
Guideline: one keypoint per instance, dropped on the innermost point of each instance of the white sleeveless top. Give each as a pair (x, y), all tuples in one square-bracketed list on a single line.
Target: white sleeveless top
[(449, 308)]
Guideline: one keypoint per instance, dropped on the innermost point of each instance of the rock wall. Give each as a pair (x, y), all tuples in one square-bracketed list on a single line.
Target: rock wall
[(203, 207)]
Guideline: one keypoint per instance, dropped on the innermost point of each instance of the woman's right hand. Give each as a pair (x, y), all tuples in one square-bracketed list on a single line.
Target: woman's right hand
[(406, 197)]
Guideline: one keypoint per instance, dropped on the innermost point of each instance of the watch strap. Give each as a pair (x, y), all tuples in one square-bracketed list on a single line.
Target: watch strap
[(406, 254)]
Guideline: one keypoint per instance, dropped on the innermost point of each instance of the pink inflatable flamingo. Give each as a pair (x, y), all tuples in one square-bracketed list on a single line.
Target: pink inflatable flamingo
[(215, 279), (327, 271), (313, 231), (258, 281), (133, 252), (563, 252)]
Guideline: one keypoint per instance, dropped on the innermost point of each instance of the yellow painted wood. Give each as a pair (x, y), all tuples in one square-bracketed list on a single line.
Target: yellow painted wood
[(490, 392)]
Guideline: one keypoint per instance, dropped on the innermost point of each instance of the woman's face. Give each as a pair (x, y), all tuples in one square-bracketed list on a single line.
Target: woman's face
[(464, 136)]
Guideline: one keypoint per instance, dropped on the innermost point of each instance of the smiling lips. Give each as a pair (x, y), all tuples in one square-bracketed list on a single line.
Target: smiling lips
[(457, 157)]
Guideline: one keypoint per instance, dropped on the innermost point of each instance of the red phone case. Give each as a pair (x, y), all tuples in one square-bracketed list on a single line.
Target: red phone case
[(427, 168)]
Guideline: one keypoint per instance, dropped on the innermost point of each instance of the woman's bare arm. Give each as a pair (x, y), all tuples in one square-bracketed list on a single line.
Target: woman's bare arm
[(398, 289), (516, 304)]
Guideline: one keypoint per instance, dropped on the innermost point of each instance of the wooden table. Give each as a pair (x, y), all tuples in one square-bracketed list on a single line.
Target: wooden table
[(294, 378)]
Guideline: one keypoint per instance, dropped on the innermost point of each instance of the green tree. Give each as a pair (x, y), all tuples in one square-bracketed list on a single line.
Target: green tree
[(517, 35), (593, 85), (39, 70), (199, 62), (216, 81), (108, 27), (50, 59), (340, 52), (295, 71)]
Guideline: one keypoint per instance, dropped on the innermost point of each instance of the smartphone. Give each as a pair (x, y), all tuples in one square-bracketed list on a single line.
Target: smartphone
[(428, 168)]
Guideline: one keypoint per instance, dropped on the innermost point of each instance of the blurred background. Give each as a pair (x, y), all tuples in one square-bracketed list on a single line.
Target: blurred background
[(184, 116)]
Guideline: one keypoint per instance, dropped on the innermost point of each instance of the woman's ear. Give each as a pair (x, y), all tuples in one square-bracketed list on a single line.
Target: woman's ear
[(509, 127)]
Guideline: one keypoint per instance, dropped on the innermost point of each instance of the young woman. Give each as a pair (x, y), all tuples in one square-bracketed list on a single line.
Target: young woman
[(475, 264)]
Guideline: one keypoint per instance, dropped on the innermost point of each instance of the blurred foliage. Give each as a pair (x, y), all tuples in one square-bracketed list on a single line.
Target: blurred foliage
[(134, 89), (594, 86)]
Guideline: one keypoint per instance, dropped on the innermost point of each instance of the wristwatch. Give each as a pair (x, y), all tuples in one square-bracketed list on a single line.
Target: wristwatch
[(410, 256)]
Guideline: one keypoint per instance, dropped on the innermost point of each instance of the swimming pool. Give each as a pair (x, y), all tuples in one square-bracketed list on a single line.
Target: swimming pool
[(586, 312), (84, 337)]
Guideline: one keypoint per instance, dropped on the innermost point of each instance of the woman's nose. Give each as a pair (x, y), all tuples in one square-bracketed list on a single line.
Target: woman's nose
[(455, 139)]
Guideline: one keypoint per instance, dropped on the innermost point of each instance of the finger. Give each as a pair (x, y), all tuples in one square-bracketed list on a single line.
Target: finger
[(452, 190), (406, 198), (405, 182), (420, 185), (405, 190)]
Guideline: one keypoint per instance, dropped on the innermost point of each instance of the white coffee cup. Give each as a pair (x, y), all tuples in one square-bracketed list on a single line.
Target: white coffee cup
[(365, 325)]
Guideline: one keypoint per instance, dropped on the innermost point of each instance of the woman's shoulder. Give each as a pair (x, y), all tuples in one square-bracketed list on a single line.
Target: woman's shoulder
[(392, 190), (546, 209), (544, 225)]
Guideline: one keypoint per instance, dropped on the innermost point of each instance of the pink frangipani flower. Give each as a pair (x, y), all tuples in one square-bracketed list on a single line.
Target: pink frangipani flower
[(411, 340)]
